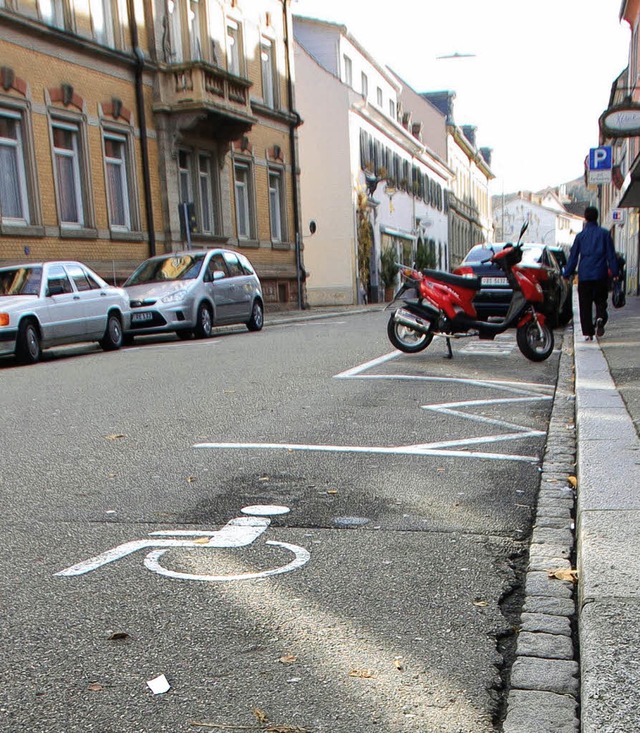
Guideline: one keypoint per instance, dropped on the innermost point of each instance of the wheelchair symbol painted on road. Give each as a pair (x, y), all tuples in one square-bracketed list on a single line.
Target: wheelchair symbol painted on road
[(238, 532)]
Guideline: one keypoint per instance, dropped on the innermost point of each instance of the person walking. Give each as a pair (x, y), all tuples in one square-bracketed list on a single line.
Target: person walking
[(594, 256)]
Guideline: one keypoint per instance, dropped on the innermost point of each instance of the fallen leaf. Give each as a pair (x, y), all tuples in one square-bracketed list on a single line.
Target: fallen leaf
[(202, 541), (115, 436), (563, 574), (117, 635), (332, 491), (191, 479), (95, 687), (481, 604), (397, 663), (288, 659), (285, 729), (573, 481), (263, 478), (362, 673), (261, 716)]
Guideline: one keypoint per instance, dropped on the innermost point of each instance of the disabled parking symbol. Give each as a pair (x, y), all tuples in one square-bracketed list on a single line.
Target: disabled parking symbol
[(238, 532)]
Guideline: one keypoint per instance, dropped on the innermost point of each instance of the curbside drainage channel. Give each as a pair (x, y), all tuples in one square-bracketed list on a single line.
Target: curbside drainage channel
[(544, 684)]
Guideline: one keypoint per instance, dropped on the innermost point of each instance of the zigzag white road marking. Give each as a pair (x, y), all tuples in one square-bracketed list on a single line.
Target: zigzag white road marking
[(531, 392)]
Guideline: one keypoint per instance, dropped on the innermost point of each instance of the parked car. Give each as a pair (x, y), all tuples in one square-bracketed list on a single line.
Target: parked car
[(52, 303), (191, 292), (492, 300)]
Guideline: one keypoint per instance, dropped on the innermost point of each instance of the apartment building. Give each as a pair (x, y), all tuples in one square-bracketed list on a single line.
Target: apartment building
[(135, 127), (469, 201), (371, 185)]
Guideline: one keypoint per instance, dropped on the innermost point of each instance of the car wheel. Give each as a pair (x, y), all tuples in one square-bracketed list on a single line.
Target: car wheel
[(204, 322), (256, 322), (113, 337), (28, 348)]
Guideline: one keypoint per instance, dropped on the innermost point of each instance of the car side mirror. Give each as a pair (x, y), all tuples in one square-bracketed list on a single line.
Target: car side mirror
[(218, 275)]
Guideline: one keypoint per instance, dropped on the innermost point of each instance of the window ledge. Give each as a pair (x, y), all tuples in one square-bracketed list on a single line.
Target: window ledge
[(248, 243), (118, 236), (81, 233), (282, 245), (15, 230)]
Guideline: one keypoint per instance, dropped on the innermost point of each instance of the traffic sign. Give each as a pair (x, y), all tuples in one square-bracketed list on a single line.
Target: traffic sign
[(600, 159)]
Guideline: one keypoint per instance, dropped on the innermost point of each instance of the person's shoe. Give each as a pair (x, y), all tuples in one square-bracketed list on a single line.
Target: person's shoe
[(599, 328), (588, 338)]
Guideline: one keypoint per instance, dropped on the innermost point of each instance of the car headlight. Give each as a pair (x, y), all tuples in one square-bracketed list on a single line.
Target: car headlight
[(176, 297)]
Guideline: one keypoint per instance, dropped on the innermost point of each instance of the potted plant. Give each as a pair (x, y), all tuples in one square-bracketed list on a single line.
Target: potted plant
[(388, 271)]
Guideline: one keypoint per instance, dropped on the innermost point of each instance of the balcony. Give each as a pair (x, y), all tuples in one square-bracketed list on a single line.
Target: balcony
[(197, 94)]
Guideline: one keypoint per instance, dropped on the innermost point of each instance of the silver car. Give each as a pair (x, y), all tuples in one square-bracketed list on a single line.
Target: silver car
[(191, 292), (52, 303)]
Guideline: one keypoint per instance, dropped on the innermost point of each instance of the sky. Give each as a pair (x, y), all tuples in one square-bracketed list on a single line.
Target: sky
[(539, 78)]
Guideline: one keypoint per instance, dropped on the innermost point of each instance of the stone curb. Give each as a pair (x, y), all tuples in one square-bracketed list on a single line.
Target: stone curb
[(544, 689)]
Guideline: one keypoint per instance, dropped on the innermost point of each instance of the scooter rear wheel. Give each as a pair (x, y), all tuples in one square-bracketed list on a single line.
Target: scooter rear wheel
[(406, 339), (535, 341)]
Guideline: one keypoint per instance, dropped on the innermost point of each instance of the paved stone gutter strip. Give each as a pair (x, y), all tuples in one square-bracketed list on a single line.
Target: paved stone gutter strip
[(544, 687)]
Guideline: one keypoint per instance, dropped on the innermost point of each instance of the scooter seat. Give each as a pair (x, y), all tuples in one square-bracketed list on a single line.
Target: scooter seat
[(459, 281)]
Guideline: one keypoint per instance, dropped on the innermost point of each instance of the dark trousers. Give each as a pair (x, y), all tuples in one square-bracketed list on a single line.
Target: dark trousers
[(592, 292)]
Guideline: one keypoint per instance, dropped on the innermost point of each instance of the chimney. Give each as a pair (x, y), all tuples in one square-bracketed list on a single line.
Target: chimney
[(469, 132)]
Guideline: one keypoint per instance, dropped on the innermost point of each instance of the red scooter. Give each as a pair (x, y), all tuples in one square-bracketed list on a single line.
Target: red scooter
[(432, 302)]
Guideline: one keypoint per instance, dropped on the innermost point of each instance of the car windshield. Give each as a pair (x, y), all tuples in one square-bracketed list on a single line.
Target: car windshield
[(531, 254), (20, 281), (163, 269)]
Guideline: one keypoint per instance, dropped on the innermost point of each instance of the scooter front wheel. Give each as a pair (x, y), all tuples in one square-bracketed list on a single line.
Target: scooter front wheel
[(535, 341), (406, 339)]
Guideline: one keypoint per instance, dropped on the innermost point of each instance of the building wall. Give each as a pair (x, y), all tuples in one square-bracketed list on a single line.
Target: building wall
[(327, 188), (41, 65)]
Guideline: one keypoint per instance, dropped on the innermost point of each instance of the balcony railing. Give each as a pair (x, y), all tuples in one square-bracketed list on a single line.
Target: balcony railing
[(197, 85)]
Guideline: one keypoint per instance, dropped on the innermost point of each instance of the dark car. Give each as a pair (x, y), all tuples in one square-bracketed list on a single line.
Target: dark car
[(492, 300)]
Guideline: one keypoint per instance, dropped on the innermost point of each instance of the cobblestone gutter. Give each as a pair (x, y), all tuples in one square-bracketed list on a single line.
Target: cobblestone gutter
[(544, 689)]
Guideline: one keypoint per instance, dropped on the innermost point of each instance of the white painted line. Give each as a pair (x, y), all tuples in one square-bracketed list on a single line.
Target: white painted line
[(302, 556), (419, 450), (368, 365)]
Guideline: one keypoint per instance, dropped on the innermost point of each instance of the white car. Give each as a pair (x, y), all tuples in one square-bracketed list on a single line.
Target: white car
[(52, 303)]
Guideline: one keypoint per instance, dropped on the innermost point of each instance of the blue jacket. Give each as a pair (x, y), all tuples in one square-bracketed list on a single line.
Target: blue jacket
[(594, 254)]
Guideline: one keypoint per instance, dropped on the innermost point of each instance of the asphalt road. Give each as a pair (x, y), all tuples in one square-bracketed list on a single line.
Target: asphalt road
[(407, 513)]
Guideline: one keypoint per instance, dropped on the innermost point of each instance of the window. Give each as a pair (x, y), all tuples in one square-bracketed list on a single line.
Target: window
[(243, 200), (14, 200), (185, 176), (348, 70), (175, 29), (268, 73), (234, 48), (364, 82), (52, 12), (392, 109), (102, 21), (81, 278), (233, 264), (379, 98), (207, 218), (58, 278), (194, 30), (198, 186), (276, 204), (67, 153), (117, 168)]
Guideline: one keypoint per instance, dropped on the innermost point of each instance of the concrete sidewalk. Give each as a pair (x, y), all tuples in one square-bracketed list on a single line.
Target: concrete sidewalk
[(607, 387)]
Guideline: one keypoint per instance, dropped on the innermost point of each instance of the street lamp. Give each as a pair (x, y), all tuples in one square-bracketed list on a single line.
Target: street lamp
[(544, 236)]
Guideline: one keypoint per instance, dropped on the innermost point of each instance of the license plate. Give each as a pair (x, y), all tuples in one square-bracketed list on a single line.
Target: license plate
[(494, 281), (139, 317)]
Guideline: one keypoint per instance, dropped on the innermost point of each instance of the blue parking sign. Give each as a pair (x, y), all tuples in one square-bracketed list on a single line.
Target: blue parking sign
[(600, 159)]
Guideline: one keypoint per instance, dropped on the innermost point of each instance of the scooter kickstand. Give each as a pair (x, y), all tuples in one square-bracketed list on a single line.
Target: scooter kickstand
[(449, 349)]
